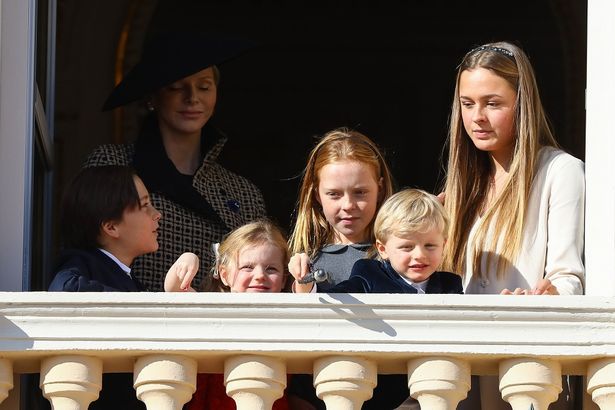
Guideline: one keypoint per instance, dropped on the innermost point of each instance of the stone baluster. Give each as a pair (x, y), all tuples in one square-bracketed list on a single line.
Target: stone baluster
[(71, 382), (344, 382), (438, 383), (6, 378), (529, 382), (601, 382), (254, 382), (165, 382)]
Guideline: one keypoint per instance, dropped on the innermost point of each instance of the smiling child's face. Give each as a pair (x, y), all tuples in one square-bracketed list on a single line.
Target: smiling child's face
[(415, 256), (259, 269)]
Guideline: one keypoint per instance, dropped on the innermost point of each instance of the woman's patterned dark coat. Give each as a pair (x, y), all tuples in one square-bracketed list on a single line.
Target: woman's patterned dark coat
[(235, 201)]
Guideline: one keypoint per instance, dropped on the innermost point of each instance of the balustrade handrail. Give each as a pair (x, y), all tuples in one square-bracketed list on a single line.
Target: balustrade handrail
[(481, 329)]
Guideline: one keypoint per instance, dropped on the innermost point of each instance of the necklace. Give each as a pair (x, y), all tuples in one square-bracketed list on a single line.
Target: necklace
[(493, 180), (495, 186)]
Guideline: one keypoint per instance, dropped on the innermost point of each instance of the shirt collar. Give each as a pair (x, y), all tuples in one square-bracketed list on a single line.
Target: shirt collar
[(125, 268), (420, 287), (332, 248)]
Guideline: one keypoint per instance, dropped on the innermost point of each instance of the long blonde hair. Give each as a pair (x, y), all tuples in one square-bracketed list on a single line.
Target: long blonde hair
[(469, 169), (312, 231), (252, 234)]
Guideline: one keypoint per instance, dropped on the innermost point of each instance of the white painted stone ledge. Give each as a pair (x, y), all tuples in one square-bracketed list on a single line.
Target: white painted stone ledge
[(389, 329)]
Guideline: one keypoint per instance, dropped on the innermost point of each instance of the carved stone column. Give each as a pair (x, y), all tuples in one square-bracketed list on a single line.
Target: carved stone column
[(343, 382), (71, 382), (601, 382), (528, 381), (165, 382), (6, 378), (254, 382), (438, 383)]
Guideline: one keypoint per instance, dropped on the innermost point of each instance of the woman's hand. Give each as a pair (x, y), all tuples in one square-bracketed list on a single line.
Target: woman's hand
[(299, 266), (543, 287), (180, 275), (517, 291)]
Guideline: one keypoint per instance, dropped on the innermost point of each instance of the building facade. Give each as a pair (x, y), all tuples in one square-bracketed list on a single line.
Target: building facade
[(522, 340)]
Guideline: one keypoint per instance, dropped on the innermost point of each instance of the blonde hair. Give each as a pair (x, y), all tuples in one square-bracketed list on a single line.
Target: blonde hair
[(249, 235), (312, 231), (469, 169), (410, 211)]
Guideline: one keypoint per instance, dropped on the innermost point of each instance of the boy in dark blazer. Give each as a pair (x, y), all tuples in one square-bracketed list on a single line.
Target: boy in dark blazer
[(107, 220), (410, 231)]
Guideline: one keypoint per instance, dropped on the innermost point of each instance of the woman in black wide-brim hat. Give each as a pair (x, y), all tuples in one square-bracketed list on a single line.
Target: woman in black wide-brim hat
[(176, 151)]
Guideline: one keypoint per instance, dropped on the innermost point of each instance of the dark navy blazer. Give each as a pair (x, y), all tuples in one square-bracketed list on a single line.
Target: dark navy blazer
[(91, 271), (374, 276)]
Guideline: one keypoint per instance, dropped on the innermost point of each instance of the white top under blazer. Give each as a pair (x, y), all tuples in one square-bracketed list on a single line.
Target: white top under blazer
[(553, 235)]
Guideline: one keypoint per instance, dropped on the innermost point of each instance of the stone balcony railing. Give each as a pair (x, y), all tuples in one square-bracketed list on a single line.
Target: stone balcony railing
[(344, 340)]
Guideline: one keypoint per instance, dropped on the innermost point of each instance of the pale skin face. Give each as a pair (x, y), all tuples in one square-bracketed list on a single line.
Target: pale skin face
[(415, 256), (136, 233), (488, 112), (259, 269), (185, 106), (348, 193)]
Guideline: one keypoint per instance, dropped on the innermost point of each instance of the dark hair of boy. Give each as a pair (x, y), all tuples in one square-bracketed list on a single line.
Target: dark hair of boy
[(96, 195)]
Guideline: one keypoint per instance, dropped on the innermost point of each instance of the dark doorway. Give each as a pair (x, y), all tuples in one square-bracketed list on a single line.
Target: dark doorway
[(385, 68)]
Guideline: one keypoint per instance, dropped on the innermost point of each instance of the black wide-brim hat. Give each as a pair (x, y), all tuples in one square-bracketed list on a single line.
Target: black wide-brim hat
[(169, 57)]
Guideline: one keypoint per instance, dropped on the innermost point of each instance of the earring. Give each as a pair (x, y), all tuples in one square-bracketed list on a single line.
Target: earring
[(150, 106)]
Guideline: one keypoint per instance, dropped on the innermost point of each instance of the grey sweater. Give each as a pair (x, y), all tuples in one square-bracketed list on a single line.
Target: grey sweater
[(338, 261)]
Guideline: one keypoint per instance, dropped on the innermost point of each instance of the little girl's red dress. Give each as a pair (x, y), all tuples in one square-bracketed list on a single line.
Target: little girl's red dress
[(210, 394)]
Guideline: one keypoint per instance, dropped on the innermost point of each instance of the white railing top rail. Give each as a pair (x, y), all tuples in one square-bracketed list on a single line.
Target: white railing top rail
[(299, 328)]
